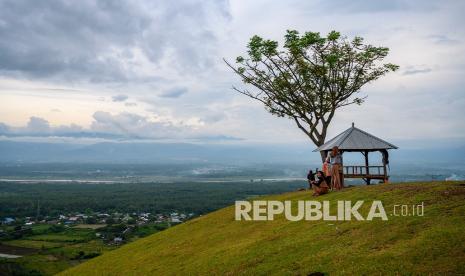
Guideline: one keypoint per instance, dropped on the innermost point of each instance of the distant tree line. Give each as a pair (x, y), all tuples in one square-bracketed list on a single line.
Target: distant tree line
[(21, 200)]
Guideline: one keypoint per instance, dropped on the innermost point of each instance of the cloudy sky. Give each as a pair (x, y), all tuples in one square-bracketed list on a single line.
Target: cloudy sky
[(153, 70)]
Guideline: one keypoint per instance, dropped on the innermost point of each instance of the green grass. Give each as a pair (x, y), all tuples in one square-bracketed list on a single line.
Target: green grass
[(71, 250), (33, 244), (217, 244), (69, 235), (57, 251), (37, 264), (56, 238), (38, 229), (52, 258)]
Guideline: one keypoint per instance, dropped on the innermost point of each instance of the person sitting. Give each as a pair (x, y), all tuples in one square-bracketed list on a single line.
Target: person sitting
[(319, 185)]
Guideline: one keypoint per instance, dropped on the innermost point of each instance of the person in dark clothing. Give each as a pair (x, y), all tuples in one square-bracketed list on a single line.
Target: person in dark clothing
[(310, 178), (319, 184)]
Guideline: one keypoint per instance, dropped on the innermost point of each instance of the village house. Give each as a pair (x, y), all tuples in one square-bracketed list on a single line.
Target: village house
[(118, 240), (8, 220)]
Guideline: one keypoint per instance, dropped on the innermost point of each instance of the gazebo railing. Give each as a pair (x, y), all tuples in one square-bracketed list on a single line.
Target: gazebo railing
[(363, 170)]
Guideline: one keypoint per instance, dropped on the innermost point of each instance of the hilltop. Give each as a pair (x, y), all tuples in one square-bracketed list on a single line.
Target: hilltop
[(217, 244)]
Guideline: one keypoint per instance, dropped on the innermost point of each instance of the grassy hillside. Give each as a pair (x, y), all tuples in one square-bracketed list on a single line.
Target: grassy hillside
[(217, 244)]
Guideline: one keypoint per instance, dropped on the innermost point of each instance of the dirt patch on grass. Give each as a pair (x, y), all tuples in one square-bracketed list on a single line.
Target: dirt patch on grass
[(454, 191), (316, 273), (90, 226), (51, 258), (16, 250), (408, 189)]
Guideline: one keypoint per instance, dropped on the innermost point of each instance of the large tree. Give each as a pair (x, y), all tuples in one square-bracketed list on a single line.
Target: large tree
[(310, 77)]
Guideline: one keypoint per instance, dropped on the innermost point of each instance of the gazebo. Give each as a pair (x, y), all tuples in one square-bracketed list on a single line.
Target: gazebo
[(357, 140)]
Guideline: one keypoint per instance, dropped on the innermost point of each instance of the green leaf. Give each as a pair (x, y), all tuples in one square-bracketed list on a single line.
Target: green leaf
[(333, 35), (269, 47), (391, 67), (254, 46), (311, 38)]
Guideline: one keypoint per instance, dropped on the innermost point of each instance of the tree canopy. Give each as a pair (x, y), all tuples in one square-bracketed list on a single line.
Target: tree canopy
[(310, 77)]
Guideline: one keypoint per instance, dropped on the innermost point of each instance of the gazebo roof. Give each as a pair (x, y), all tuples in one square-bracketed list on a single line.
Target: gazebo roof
[(355, 139)]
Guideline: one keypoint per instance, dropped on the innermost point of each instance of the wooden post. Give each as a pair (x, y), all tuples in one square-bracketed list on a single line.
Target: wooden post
[(385, 174), (386, 177), (367, 168)]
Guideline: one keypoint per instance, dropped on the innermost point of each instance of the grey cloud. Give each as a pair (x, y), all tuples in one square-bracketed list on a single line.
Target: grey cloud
[(213, 118), (49, 38), (367, 6), (4, 128), (37, 124), (105, 125), (443, 39), (132, 125), (130, 104), (121, 126), (108, 127), (217, 138), (414, 71), (173, 93), (69, 128), (119, 98), (95, 40)]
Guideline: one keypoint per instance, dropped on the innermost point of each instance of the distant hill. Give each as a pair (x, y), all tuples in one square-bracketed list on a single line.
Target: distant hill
[(141, 152), (216, 244)]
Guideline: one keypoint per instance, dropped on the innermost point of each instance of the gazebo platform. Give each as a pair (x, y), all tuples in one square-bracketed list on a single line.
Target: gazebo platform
[(370, 172), (357, 140)]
